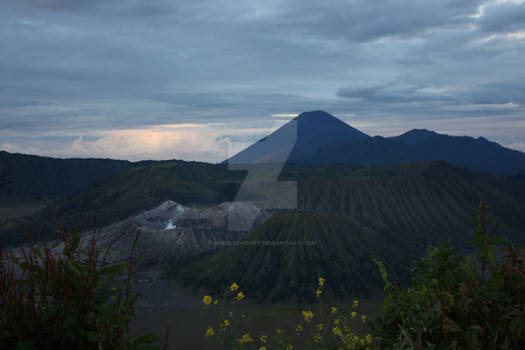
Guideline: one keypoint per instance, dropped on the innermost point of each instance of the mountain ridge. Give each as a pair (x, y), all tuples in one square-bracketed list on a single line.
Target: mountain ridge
[(338, 142)]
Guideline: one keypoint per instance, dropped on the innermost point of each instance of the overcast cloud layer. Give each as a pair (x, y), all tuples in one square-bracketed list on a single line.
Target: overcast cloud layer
[(164, 79)]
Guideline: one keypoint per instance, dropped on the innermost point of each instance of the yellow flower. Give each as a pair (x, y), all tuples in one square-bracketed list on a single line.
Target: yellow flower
[(239, 296), (234, 287), (264, 338), (363, 318), (362, 341), (337, 331), (321, 281), (262, 348), (299, 328), (318, 292), (336, 321), (319, 327), (308, 315), (215, 302), (317, 338), (210, 332), (356, 303), (230, 314), (289, 347), (246, 338), (354, 314), (226, 323), (206, 300), (369, 338), (334, 310), (279, 331)]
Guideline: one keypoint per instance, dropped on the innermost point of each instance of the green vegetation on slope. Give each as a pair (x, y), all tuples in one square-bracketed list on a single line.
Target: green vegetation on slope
[(393, 212), (140, 188), (425, 202), (283, 258), (30, 176)]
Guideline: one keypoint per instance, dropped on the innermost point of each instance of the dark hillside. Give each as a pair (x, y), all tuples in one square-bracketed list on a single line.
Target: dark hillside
[(391, 212), (301, 247), (140, 188), (427, 201), (52, 178)]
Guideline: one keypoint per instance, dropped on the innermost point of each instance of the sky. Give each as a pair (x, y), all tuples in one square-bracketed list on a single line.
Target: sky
[(201, 79)]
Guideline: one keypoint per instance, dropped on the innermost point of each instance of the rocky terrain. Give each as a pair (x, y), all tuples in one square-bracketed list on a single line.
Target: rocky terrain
[(171, 231)]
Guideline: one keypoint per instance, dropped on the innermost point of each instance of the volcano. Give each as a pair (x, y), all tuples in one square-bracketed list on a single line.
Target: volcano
[(319, 138)]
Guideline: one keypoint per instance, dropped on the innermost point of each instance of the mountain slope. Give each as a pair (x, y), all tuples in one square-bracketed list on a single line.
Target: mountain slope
[(426, 202), (419, 145), (318, 137), (301, 247), (52, 178), (391, 212), (137, 189), (297, 139), (480, 154)]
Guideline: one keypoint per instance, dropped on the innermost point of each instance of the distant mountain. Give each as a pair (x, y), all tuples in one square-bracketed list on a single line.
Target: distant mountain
[(52, 178), (465, 151), (318, 137), (297, 140)]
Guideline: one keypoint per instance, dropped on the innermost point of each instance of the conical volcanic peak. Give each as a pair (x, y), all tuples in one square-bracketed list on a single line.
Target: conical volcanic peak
[(299, 139), (322, 128)]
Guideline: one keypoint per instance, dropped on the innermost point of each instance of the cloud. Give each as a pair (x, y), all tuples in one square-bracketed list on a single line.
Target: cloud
[(362, 20), (501, 92), (519, 146), (90, 68), (151, 144), (141, 144), (503, 17), (16, 149), (187, 141), (396, 91)]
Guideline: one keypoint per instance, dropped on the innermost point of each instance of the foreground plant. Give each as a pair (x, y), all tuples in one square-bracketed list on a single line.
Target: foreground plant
[(322, 328), (457, 303), (66, 296)]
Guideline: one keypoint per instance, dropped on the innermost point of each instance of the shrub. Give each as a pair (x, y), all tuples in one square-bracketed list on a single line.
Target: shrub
[(65, 296), (459, 303)]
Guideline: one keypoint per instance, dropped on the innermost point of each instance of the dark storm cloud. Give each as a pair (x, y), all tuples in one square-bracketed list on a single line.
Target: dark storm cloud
[(503, 17), (82, 67), (139, 8), (365, 20), (500, 92), (394, 92)]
